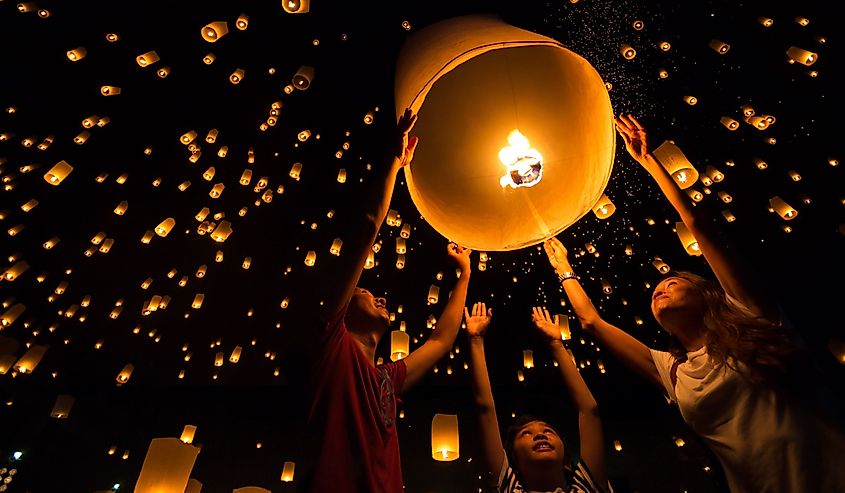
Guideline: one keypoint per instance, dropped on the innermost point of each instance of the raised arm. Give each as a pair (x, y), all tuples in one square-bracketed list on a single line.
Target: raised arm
[(731, 271), (631, 352), (493, 452), (589, 422), (421, 360), (364, 224)]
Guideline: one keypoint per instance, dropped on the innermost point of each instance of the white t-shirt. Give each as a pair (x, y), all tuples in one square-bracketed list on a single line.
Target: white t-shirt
[(767, 441)]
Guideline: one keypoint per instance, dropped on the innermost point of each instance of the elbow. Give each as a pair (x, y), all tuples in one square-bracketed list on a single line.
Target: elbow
[(484, 406), (590, 323), (590, 409)]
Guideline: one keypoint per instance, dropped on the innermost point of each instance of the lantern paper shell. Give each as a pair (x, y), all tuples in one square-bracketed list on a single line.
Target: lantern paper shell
[(689, 241), (562, 322), (676, 163), (287, 471), (465, 77), (303, 77), (445, 445), (782, 209), (604, 208), (188, 433), (58, 173), (296, 6), (31, 358), (167, 466), (719, 46), (801, 56), (62, 407), (399, 345), (214, 31)]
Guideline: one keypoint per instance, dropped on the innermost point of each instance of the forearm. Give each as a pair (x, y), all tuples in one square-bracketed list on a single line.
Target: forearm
[(491, 440), (379, 196), (733, 273), (575, 385), (583, 307), (482, 392), (360, 231), (450, 320)]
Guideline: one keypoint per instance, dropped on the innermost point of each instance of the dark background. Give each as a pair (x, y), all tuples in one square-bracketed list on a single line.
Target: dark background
[(239, 405)]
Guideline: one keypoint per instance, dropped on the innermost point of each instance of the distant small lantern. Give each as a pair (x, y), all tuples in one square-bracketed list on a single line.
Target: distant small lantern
[(147, 58), (719, 46), (729, 123), (689, 241), (188, 433), (289, 467), (303, 77), (165, 226), (445, 445), (782, 209), (604, 208), (528, 358), (627, 52), (214, 31), (399, 345), (676, 164)]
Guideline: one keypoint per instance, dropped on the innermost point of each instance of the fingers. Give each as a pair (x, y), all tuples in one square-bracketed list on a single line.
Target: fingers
[(489, 312), (466, 313), (407, 120), (547, 316), (637, 124)]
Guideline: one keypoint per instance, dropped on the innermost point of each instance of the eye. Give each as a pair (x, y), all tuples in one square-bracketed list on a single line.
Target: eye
[(524, 433), (549, 431)]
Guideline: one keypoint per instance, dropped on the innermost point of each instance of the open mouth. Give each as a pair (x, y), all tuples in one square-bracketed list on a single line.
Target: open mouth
[(542, 446)]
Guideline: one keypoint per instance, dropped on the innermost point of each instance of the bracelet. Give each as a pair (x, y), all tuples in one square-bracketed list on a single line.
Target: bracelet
[(567, 274)]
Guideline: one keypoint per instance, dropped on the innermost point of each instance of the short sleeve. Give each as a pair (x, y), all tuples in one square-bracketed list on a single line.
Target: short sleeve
[(664, 361), (507, 479), (396, 372), (582, 480)]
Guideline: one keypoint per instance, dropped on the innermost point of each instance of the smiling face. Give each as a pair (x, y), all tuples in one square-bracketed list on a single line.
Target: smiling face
[(676, 296), (537, 443), (366, 313)]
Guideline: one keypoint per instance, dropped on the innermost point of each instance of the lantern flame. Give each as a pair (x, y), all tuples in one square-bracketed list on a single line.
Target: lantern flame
[(523, 162)]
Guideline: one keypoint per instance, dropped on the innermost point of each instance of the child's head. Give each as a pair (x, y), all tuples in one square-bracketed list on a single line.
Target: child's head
[(531, 442)]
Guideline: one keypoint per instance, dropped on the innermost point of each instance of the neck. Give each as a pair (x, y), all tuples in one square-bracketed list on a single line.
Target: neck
[(544, 478), (367, 343), (689, 333)]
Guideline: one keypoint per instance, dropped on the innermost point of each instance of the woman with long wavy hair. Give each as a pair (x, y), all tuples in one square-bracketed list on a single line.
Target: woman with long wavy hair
[(740, 374)]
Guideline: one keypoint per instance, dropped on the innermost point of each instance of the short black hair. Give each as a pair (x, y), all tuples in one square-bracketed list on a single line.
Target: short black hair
[(519, 424)]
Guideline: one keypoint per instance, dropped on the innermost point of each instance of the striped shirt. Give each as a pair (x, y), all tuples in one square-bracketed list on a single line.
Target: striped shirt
[(579, 481)]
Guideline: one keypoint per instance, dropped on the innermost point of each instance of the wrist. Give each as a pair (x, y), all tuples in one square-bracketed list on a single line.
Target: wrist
[(565, 274), (555, 343), (476, 340)]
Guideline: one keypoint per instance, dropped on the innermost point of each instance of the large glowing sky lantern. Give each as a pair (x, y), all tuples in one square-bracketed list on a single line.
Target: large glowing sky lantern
[(516, 132)]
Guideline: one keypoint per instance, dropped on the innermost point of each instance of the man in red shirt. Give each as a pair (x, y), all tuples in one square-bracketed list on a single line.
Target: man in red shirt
[(351, 430)]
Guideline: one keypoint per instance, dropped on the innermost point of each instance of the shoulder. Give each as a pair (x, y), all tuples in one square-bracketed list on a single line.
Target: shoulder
[(581, 481)]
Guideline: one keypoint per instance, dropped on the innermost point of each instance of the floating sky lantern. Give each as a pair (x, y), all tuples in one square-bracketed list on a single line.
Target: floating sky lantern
[(483, 90)]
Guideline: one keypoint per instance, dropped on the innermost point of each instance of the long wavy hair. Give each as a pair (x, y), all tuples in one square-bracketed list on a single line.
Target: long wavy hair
[(759, 349)]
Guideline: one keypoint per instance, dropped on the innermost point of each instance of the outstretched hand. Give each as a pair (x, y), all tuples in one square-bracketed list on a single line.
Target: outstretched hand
[(545, 323), (459, 255), (557, 254), (634, 135), (479, 320), (407, 145)]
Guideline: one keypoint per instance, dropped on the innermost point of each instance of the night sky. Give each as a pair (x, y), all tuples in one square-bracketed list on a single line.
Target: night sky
[(85, 306)]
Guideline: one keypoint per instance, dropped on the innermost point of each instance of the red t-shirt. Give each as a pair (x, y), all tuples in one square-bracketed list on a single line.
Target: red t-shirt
[(352, 418)]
